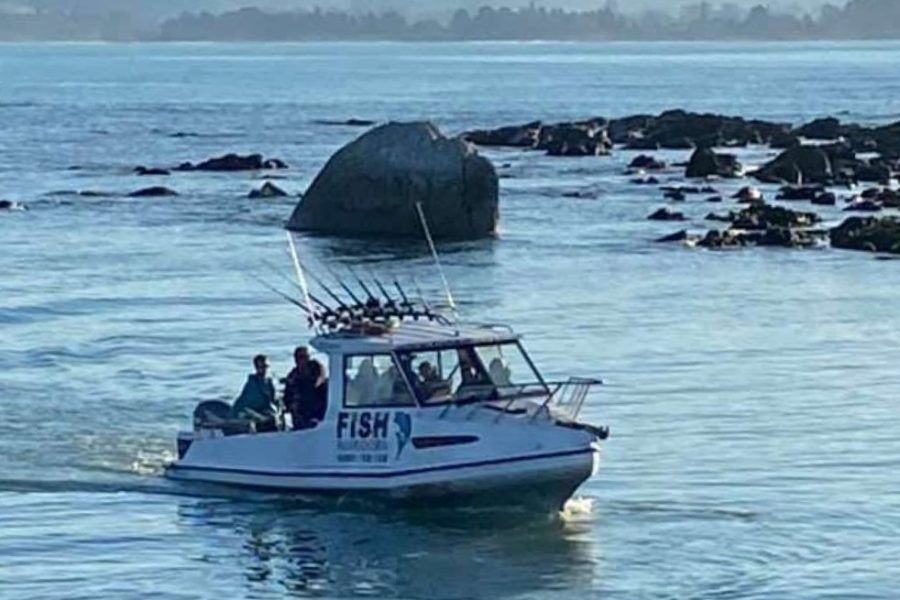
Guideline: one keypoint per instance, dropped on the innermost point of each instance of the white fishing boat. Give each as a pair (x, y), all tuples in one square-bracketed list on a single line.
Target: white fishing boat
[(420, 410)]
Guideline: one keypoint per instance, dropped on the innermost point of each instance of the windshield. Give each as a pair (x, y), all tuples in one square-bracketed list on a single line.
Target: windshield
[(469, 373)]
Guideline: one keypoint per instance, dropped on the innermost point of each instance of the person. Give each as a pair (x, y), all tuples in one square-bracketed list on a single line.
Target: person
[(429, 382), (256, 403), (310, 411), (298, 385), (499, 372)]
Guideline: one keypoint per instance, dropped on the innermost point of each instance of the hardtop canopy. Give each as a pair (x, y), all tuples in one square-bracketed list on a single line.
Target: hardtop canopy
[(412, 335)]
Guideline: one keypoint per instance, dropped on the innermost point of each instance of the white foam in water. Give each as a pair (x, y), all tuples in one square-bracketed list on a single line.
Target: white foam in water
[(577, 508)]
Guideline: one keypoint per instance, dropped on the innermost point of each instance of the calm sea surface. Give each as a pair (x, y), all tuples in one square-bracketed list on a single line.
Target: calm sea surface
[(752, 395)]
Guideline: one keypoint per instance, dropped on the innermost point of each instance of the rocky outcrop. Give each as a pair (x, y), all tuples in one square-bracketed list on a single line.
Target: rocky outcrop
[(664, 214), (267, 190), (706, 163), (870, 234), (797, 166), (646, 162), (679, 129), (586, 138), (9, 205), (372, 186), (748, 195), (153, 192), (234, 162), (763, 225), (143, 171), (513, 136), (828, 128)]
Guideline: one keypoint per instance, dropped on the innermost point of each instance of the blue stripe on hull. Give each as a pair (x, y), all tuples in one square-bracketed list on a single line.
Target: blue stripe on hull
[(386, 474)]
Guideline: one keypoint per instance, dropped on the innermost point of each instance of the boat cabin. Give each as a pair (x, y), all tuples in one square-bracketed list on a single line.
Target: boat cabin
[(426, 364)]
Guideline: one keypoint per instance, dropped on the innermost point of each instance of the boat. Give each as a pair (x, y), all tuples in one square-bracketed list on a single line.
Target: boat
[(422, 410)]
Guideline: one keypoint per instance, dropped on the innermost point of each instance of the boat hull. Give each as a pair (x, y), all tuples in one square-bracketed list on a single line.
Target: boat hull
[(541, 481)]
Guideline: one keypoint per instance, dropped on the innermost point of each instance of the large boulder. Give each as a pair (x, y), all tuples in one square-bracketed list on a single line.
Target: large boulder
[(867, 233), (706, 163), (796, 166), (371, 187)]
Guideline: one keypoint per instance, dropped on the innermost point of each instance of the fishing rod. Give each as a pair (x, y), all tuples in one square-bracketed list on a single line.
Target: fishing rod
[(276, 291)]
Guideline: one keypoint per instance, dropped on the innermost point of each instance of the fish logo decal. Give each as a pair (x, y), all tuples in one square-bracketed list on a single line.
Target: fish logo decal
[(403, 422)]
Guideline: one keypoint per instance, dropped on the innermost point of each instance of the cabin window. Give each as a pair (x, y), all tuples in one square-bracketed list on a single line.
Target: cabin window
[(451, 374), (470, 373), (374, 380), (506, 365)]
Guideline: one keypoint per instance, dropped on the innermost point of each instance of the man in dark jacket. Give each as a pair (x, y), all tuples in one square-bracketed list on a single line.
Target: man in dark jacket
[(299, 387)]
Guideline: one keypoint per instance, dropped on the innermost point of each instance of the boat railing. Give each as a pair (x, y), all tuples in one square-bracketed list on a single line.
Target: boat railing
[(566, 397)]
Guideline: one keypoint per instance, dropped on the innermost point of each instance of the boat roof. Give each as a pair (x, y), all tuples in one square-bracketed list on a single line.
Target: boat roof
[(412, 335)]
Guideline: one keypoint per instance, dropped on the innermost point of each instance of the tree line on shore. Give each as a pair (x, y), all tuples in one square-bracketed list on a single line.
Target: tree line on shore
[(856, 19)]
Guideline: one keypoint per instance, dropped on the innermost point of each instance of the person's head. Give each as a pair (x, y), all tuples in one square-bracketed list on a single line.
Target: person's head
[(301, 355), (261, 364), (425, 369)]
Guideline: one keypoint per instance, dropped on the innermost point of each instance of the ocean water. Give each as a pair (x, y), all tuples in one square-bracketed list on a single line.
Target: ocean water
[(752, 395)]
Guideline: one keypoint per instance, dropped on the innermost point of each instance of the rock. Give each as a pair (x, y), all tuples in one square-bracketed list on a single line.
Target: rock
[(234, 162), (664, 214), (348, 122), (825, 199), (872, 172), (707, 189), (683, 189), (371, 187), (870, 234), (580, 194), (748, 195), (648, 163), (679, 129), (675, 195), (93, 194), (153, 192), (274, 163), (645, 181), (714, 199), (783, 237), (706, 163), (863, 205), (574, 139), (724, 239), (765, 216), (268, 190), (887, 197), (678, 236), (9, 205), (721, 218), (821, 129), (150, 171), (799, 192), (798, 165), (515, 136)]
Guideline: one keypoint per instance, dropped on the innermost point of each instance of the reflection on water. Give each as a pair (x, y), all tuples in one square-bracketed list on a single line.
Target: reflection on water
[(284, 546)]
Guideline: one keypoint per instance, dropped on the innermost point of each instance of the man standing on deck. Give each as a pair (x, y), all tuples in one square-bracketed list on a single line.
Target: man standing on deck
[(299, 387)]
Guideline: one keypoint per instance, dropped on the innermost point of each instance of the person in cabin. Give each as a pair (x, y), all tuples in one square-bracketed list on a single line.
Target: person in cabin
[(299, 385), (428, 379), (256, 403), (310, 410)]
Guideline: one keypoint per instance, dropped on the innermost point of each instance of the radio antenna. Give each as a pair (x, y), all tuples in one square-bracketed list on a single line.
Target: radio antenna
[(437, 259)]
